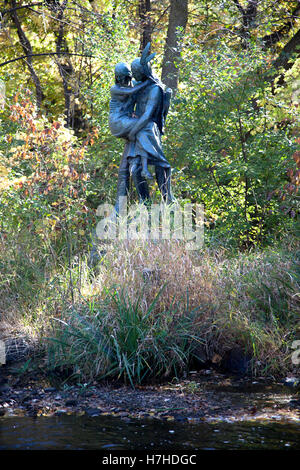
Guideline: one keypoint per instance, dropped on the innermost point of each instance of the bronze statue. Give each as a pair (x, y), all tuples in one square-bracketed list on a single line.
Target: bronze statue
[(138, 114), (122, 118)]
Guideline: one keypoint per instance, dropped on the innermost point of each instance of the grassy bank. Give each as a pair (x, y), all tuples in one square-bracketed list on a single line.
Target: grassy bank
[(150, 309)]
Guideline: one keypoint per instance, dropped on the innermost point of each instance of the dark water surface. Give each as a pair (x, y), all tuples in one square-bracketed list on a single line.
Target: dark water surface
[(97, 433)]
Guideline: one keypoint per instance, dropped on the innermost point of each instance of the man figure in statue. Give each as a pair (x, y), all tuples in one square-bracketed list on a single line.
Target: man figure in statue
[(144, 137)]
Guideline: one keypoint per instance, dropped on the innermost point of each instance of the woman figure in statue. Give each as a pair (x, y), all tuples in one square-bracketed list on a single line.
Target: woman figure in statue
[(122, 119)]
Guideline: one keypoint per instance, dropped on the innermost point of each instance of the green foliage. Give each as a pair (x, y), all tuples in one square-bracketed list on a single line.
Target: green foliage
[(229, 149)]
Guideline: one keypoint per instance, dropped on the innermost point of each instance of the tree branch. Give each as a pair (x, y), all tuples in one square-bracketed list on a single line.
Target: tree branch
[(239, 6), (26, 46), (248, 17), (271, 39), (43, 54), (292, 47), (11, 10)]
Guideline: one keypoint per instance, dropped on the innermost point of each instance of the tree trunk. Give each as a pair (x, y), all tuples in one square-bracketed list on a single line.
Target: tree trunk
[(285, 60), (145, 20), (270, 39), (177, 23), (67, 72), (292, 47), (249, 17), (28, 52), (249, 14)]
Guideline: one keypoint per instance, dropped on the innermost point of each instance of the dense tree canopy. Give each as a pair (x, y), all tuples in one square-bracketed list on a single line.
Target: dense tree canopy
[(232, 132)]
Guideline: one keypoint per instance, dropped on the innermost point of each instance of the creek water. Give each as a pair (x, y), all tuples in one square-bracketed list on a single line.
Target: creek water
[(111, 433)]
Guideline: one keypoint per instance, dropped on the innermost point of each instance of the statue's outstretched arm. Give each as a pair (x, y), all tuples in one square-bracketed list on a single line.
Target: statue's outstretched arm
[(152, 103)]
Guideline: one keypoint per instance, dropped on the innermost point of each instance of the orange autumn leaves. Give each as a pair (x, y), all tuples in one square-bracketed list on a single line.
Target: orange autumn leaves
[(46, 162)]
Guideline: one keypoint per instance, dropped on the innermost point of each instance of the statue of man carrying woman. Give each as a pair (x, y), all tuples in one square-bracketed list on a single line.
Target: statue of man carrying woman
[(137, 115)]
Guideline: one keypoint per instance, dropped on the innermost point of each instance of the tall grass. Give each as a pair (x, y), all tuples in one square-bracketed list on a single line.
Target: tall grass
[(149, 309), (117, 338)]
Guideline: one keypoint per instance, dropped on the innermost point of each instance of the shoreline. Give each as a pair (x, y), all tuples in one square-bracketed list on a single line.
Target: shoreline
[(203, 396)]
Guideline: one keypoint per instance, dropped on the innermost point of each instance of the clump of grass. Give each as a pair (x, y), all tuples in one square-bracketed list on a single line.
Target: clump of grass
[(120, 339), (261, 308)]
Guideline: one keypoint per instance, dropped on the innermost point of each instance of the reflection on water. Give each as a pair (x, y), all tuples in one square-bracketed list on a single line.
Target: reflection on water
[(82, 432)]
